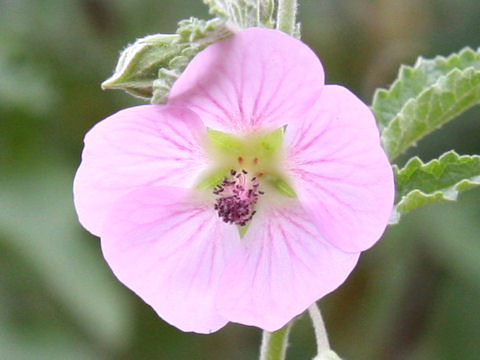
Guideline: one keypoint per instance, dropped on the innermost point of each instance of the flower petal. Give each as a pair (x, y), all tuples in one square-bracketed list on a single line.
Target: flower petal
[(339, 170), (284, 266), (138, 146), (256, 79), (170, 249)]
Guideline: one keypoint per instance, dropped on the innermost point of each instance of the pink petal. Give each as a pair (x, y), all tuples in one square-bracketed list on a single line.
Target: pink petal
[(170, 249), (283, 267), (339, 170), (138, 146), (256, 79)]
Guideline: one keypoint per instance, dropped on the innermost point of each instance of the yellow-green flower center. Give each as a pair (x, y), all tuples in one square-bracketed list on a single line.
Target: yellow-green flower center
[(243, 169)]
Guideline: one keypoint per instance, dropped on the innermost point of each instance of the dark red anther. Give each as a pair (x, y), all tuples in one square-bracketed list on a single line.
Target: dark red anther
[(236, 198)]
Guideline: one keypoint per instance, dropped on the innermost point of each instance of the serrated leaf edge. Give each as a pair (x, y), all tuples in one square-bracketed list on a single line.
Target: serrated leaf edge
[(420, 63), (447, 194), (436, 87)]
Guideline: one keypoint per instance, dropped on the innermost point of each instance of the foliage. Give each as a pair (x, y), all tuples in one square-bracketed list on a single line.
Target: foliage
[(426, 96), (439, 180), (150, 66)]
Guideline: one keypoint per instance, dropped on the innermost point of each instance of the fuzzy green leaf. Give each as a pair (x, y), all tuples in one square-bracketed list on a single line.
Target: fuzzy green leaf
[(139, 63), (426, 96), (438, 180), (149, 67)]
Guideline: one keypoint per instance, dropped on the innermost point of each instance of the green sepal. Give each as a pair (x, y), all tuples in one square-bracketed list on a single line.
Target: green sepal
[(426, 96), (441, 179), (224, 143), (212, 179), (283, 187), (261, 146), (271, 142)]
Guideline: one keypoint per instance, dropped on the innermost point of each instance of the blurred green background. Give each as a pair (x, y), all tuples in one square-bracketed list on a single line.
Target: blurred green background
[(415, 295)]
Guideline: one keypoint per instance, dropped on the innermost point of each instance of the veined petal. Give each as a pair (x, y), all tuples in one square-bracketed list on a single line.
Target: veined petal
[(339, 170), (283, 266), (256, 79), (170, 249), (138, 146)]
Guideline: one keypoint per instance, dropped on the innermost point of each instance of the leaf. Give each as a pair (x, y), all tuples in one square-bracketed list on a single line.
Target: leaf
[(139, 63), (439, 180), (149, 67), (426, 96), (195, 35)]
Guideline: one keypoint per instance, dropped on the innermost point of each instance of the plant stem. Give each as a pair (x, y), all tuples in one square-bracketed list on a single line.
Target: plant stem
[(286, 16), (321, 336), (274, 345)]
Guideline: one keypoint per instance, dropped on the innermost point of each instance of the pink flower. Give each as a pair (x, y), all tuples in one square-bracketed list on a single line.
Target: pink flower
[(248, 197)]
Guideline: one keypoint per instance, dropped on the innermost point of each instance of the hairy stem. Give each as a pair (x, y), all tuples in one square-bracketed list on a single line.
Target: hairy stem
[(274, 345), (321, 336), (286, 16)]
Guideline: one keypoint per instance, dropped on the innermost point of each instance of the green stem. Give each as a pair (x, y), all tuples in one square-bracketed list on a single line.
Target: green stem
[(274, 345), (286, 16), (321, 336)]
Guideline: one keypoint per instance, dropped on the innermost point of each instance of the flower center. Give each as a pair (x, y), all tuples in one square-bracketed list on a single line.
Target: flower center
[(236, 197)]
